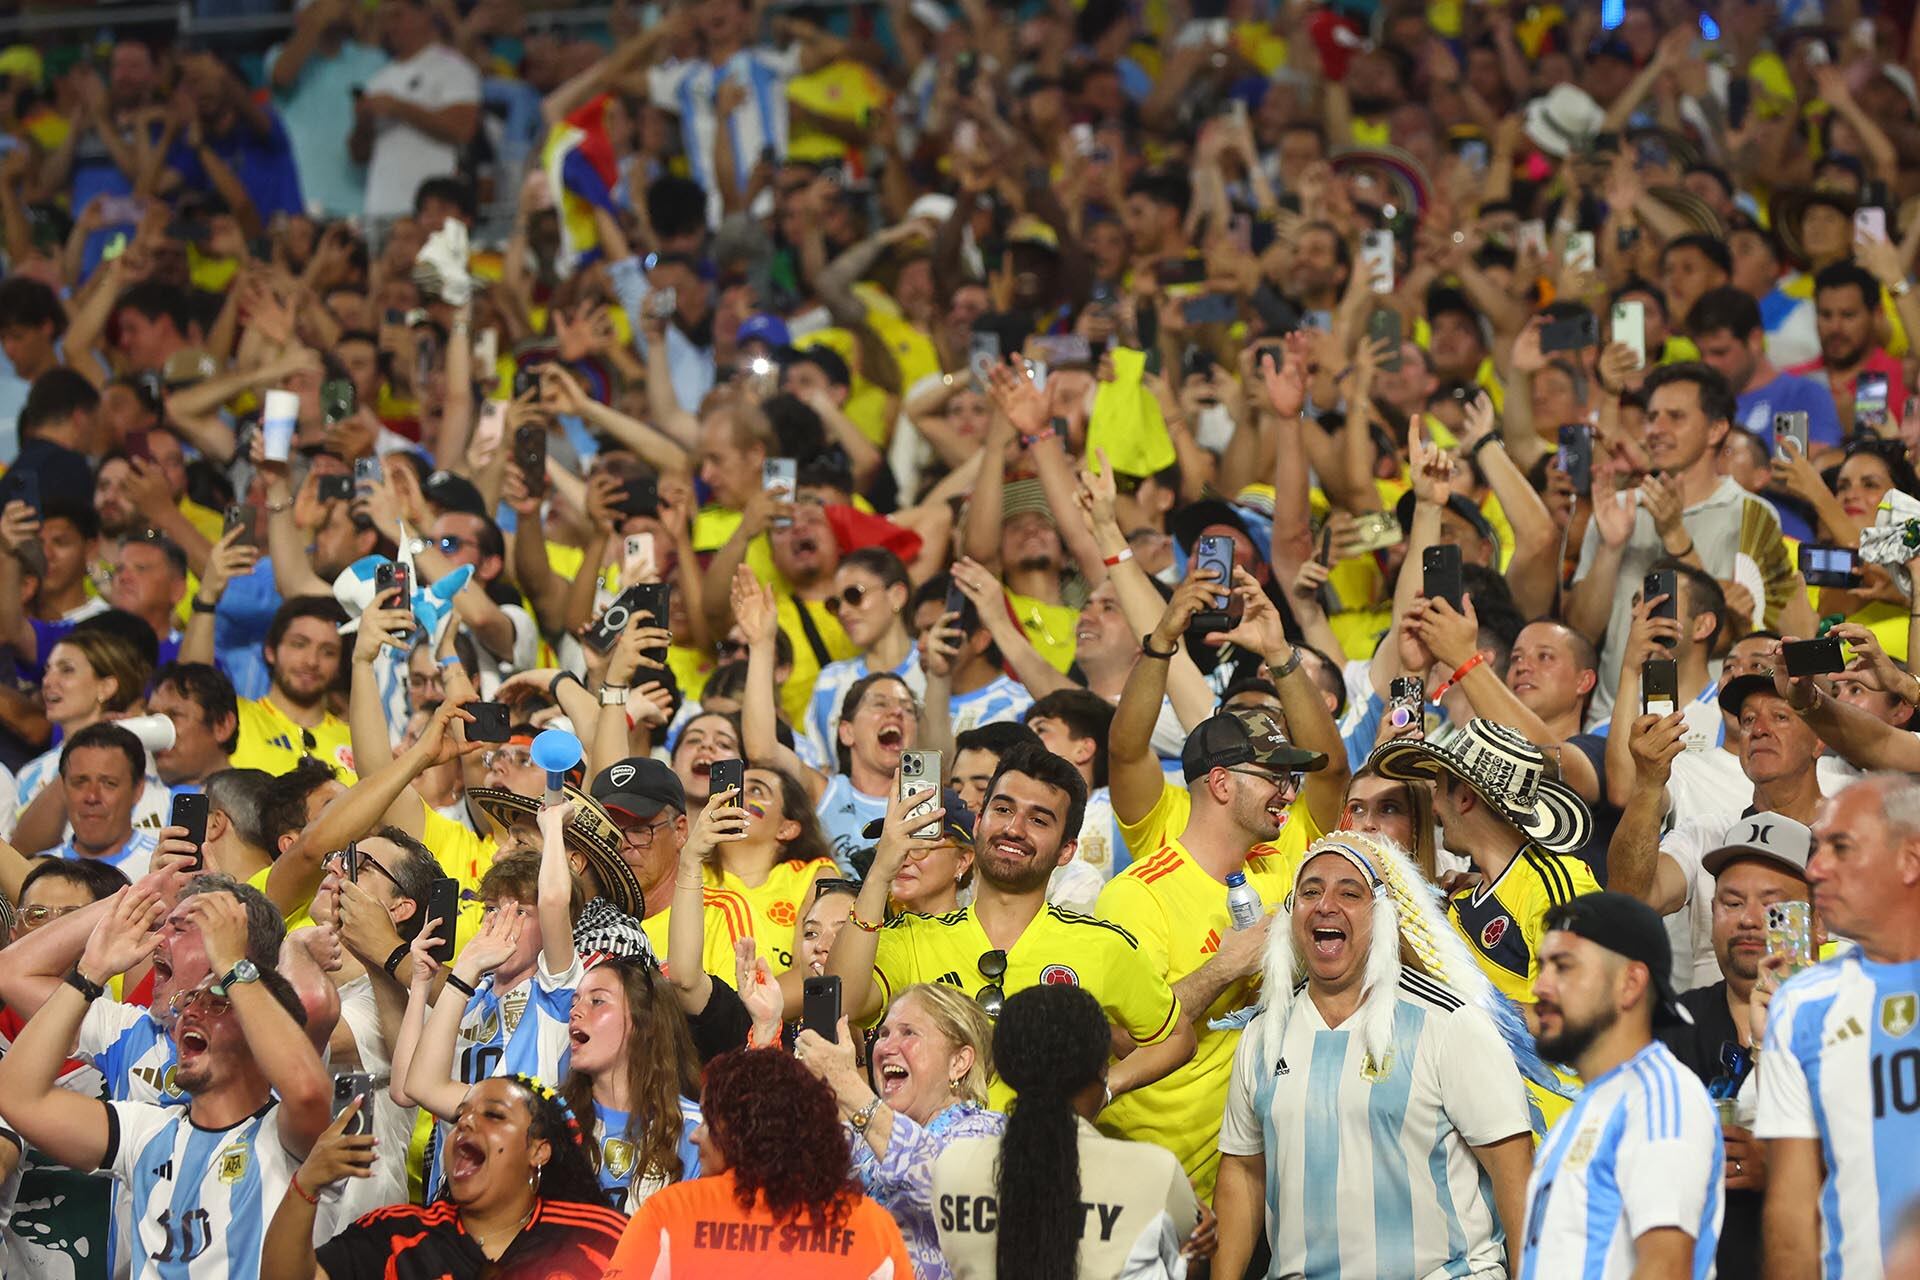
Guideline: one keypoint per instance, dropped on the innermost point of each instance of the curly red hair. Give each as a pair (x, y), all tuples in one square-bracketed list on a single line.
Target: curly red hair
[(779, 1129)]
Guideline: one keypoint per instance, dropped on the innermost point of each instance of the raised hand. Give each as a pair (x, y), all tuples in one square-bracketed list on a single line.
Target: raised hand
[(721, 821), (125, 937), (1656, 743), (754, 607), (337, 1155)]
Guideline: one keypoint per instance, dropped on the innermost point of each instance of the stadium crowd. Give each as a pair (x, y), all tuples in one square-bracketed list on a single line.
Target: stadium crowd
[(923, 639)]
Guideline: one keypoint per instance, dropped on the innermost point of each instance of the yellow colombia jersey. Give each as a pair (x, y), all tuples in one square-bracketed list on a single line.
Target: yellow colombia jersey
[(777, 904), (1177, 912), (270, 741), (1502, 923), (728, 917), (463, 855), (1057, 948), (1168, 820)]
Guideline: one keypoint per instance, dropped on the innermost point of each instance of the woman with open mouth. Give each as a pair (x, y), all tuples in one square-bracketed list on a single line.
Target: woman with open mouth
[(931, 1063), (522, 1201), (765, 845), (633, 1068)]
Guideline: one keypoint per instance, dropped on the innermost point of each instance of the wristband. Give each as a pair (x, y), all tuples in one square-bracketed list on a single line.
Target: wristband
[(279, 508), (89, 989), (1459, 673), (553, 685), (853, 918), (459, 984), (394, 958), (301, 1191), (1682, 555), (1473, 450), (613, 695), (774, 1043), (1146, 647), (450, 660), (1119, 557), (205, 606)]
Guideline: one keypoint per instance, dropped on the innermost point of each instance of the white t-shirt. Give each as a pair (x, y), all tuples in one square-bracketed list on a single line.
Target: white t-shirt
[(403, 157), (393, 1124)]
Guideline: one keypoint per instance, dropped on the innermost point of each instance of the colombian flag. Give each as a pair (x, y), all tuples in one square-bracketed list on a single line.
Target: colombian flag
[(582, 172)]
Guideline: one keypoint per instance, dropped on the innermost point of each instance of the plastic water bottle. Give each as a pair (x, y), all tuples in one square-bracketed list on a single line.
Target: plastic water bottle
[(1243, 904)]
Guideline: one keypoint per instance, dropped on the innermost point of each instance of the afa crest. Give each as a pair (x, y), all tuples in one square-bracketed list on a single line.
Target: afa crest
[(1581, 1149), (231, 1164), (1897, 1013)]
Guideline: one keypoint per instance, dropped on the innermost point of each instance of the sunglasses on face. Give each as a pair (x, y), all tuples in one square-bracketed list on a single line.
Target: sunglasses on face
[(216, 1001), (852, 598), (992, 997), (506, 757), (821, 888)]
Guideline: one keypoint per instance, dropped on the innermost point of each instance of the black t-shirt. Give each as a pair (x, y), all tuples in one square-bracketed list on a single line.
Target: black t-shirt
[(564, 1241), (1605, 816), (1700, 1047), (722, 1025)]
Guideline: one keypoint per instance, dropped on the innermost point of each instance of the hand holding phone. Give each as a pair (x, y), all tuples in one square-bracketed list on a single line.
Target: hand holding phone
[(1441, 575), (820, 1007), (190, 811)]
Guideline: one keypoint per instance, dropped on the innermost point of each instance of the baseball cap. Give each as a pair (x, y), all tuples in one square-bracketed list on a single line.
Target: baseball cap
[(1627, 927), (639, 787), (769, 329), (958, 824), (1734, 693), (1779, 840), (1247, 736), (450, 492)]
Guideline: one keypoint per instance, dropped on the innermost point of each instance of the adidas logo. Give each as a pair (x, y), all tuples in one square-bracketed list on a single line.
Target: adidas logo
[(1212, 944), (948, 979), (1847, 1032), (1280, 1068)]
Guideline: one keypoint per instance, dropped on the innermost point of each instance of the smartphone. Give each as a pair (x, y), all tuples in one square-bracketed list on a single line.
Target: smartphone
[(1570, 333), (640, 496), (1739, 99), (1533, 237), (956, 605), (1440, 571), (491, 722), (1473, 152), (486, 354), (366, 473), (1216, 552), (1407, 698), (966, 137), (1210, 308), (781, 478), (336, 489), (26, 488), (491, 429), (1376, 531), (1790, 933), (119, 210), (637, 561), (1814, 657), (1576, 455), (1630, 328), (983, 353), (390, 577), (350, 860), (1870, 403), (1869, 223), (1178, 271), (728, 773), (526, 378), (1662, 582), (1659, 687), (1579, 252), (347, 1086), (1384, 326), (246, 518), (443, 904), (1376, 259), (530, 455), (190, 811), (920, 776), (1056, 349), (655, 600), (1790, 426), (338, 400), (662, 303), (601, 636), (820, 1007), (1825, 566)]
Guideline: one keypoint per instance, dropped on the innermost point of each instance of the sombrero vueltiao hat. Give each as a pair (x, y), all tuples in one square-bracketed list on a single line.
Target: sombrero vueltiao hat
[(1405, 177), (1790, 207), (1509, 773), (591, 833), (1698, 213)]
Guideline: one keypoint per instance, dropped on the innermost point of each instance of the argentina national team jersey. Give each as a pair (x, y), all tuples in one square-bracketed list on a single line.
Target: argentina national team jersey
[(689, 87), (1004, 699), (1842, 1066), (202, 1198), (627, 1187), (132, 1051), (1369, 1166), (1639, 1151), (844, 812)]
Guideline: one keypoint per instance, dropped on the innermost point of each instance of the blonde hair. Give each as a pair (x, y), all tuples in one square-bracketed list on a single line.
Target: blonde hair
[(958, 1017)]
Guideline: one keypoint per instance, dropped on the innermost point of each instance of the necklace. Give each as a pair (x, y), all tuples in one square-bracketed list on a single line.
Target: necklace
[(518, 1228)]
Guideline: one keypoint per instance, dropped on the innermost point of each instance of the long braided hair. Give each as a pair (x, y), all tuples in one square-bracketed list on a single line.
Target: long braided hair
[(1050, 1044)]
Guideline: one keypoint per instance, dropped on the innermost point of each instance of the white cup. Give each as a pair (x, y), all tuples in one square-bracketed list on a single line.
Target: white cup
[(155, 732), (277, 422)]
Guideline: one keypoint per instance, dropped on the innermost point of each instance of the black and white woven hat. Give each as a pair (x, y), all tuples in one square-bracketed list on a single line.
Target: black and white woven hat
[(1509, 773)]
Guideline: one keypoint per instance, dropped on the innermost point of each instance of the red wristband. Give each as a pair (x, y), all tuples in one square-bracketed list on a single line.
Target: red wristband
[(1459, 673), (1121, 556), (294, 1182)]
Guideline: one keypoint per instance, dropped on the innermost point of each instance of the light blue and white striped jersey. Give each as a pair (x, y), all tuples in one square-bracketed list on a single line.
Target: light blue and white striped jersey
[(202, 1198), (843, 812), (135, 857), (132, 1051), (1842, 1065), (687, 88), (830, 694), (150, 811), (1640, 1150), (617, 1179), (1005, 699), (1369, 1166)]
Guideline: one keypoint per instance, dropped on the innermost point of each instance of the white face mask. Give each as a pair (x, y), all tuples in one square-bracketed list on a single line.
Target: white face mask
[(1213, 428)]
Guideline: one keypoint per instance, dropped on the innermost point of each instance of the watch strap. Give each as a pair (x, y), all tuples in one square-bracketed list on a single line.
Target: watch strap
[(89, 990)]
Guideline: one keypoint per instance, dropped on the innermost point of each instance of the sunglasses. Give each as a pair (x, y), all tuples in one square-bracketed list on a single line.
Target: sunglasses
[(993, 967), (821, 888), (214, 997), (852, 598)]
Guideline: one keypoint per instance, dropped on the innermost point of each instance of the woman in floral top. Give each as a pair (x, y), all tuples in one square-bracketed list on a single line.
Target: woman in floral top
[(932, 1061)]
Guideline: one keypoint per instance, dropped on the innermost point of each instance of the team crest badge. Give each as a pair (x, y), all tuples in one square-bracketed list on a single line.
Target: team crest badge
[(1373, 1072), (1897, 1013), (1496, 929), (232, 1163), (617, 1157), (1581, 1149), (781, 913), (1058, 975)]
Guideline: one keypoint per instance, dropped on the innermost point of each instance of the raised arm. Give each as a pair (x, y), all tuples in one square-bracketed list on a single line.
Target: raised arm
[(1635, 865), (855, 948), (753, 606), (431, 1081), (1134, 778)]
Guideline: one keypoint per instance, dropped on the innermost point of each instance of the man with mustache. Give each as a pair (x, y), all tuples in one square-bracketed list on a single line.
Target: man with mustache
[(1641, 1148), (1010, 937)]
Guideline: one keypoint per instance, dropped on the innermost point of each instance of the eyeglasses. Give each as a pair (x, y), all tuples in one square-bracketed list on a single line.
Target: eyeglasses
[(884, 705), (351, 859), (821, 888), (731, 646), (641, 837), (430, 681), (852, 598), (34, 917), (993, 967), (1290, 781), (216, 1000), (506, 757)]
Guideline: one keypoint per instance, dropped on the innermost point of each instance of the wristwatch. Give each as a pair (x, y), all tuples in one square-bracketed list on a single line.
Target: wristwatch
[(613, 695), (860, 1119), (244, 971), (87, 987)]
